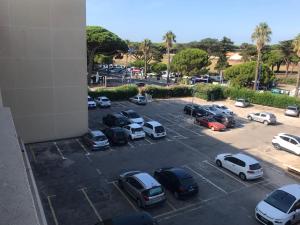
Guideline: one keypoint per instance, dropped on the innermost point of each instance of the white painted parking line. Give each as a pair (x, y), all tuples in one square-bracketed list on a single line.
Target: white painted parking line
[(131, 145), (83, 147), (59, 151), (91, 204), (99, 172), (52, 209), (148, 140), (226, 173), (207, 180), (122, 193), (171, 206)]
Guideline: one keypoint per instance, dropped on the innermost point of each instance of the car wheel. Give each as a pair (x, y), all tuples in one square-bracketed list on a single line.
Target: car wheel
[(242, 176), (249, 118), (176, 195), (213, 128), (139, 203), (266, 122), (219, 164), (277, 146)]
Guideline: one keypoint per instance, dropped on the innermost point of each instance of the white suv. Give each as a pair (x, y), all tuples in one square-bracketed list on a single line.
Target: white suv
[(281, 207), (287, 142), (246, 167), (154, 129), (134, 131), (103, 101)]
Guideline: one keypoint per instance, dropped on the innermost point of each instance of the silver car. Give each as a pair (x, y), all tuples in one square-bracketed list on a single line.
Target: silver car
[(142, 187), (263, 117), (292, 111), (96, 140)]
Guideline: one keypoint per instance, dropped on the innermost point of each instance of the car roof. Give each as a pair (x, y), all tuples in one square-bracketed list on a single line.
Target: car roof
[(247, 159), (154, 123), (134, 125), (289, 135), (96, 133), (179, 172), (147, 180), (293, 189), (117, 115), (268, 113)]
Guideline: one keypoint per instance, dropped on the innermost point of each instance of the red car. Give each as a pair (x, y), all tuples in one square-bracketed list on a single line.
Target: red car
[(210, 123)]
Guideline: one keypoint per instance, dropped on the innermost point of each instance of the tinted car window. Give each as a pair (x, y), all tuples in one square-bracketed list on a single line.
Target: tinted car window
[(159, 129), (240, 162), (154, 191), (136, 130), (293, 142), (280, 200), (255, 166), (285, 138), (135, 183), (133, 115)]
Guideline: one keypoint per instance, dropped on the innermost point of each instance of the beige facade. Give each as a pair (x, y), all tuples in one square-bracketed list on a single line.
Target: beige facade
[(43, 67)]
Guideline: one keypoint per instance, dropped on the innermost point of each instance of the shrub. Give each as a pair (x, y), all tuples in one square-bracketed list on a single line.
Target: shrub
[(209, 92), (167, 92), (264, 98), (287, 80), (117, 93)]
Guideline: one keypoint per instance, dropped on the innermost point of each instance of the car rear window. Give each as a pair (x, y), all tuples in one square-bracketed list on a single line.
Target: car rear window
[(255, 166), (134, 130), (159, 129), (291, 108), (99, 138), (154, 191)]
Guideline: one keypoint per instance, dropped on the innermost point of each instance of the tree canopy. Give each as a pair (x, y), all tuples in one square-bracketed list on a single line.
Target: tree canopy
[(191, 62), (243, 75)]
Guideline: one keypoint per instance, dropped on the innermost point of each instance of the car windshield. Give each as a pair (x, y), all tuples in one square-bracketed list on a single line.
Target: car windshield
[(134, 130), (159, 129), (255, 166), (99, 138), (142, 98), (154, 191), (223, 107), (280, 200), (292, 108), (105, 100), (187, 181), (133, 115), (90, 99)]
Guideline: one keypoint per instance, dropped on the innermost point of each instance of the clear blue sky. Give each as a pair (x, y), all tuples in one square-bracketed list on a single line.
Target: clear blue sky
[(194, 20)]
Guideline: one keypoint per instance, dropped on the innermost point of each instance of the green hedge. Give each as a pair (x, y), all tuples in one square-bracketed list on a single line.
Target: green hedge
[(264, 98), (117, 93), (167, 92), (209, 92)]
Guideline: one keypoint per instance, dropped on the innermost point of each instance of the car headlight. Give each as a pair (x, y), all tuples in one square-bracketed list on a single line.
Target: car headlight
[(278, 221)]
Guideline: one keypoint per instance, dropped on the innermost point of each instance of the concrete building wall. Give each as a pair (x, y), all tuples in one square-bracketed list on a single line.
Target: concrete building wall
[(43, 67)]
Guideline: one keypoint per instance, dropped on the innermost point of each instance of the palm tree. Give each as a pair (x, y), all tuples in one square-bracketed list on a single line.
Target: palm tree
[(169, 38), (145, 48), (261, 36), (296, 45)]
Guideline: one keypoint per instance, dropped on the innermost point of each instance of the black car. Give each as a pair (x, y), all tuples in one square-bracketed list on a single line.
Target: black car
[(115, 120), (227, 121), (116, 136), (177, 180), (136, 218), (195, 110)]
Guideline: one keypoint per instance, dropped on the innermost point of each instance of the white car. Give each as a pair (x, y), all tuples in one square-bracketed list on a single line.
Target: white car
[(246, 167), (281, 207), (139, 99), (133, 117), (154, 129), (134, 131), (91, 103), (242, 103), (263, 117), (103, 101), (288, 142), (223, 109)]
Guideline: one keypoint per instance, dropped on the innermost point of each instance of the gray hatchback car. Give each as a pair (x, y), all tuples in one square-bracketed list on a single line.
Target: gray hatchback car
[(142, 187), (292, 111), (263, 117)]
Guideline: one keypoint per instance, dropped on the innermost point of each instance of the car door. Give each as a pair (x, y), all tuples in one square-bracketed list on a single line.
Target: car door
[(294, 145), (239, 166), (262, 117), (284, 142), (132, 186), (256, 116), (295, 212), (204, 122), (230, 163)]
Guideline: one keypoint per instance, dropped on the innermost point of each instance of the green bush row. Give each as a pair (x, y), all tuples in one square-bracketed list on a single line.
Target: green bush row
[(117, 93), (167, 92), (209, 92), (264, 98)]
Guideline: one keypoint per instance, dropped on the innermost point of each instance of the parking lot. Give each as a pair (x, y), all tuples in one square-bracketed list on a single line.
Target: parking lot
[(78, 186)]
